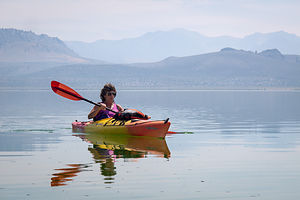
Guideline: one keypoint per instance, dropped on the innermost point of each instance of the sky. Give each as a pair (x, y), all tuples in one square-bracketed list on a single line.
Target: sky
[(90, 20)]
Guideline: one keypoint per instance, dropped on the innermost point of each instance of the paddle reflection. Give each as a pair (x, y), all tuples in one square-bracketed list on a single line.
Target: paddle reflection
[(66, 174), (106, 149)]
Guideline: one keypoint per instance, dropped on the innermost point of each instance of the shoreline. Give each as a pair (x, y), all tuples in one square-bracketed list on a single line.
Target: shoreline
[(137, 89)]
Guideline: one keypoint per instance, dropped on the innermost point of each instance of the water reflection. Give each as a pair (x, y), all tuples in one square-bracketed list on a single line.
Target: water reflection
[(26, 140), (127, 146), (106, 149), (66, 174)]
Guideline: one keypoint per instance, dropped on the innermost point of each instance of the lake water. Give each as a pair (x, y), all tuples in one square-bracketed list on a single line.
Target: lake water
[(244, 145)]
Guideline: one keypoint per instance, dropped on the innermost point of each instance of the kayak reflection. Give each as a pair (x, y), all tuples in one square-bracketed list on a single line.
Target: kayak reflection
[(122, 146), (106, 149)]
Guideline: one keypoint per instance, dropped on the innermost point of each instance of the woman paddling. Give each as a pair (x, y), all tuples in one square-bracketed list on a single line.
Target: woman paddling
[(107, 95)]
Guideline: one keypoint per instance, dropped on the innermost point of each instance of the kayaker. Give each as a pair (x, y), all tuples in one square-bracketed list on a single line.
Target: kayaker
[(107, 95)]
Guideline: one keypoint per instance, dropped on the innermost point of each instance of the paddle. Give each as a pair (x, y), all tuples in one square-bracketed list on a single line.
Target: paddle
[(69, 93)]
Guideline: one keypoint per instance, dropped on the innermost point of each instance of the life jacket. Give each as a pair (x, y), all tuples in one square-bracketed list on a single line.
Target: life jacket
[(128, 114), (102, 114)]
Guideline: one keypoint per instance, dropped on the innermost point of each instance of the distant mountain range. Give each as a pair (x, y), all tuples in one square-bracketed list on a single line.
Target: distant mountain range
[(155, 46), (225, 69), (26, 46), (32, 61)]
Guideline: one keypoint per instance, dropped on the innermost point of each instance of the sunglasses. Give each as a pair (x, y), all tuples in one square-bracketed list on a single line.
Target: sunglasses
[(111, 93)]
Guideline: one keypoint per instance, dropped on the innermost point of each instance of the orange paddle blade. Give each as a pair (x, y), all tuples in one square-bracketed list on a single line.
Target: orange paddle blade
[(65, 91)]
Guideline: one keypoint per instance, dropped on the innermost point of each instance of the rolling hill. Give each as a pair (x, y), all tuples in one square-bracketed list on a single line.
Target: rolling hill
[(225, 69), (26, 46)]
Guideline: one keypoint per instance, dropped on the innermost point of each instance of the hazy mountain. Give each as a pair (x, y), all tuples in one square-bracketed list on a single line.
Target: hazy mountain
[(285, 42), (26, 46), (228, 68), (156, 46)]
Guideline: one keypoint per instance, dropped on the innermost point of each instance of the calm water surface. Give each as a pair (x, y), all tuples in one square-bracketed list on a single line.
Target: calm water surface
[(245, 145)]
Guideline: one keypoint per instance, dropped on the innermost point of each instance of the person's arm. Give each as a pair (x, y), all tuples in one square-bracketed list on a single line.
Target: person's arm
[(120, 109), (96, 110)]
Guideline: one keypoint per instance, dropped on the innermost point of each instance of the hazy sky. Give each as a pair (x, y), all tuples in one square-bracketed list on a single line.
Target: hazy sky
[(89, 20)]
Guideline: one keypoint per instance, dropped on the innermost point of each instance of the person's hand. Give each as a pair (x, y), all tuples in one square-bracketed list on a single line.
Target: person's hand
[(102, 106)]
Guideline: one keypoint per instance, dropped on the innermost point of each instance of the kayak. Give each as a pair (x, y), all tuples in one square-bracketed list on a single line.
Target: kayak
[(129, 122), (133, 127)]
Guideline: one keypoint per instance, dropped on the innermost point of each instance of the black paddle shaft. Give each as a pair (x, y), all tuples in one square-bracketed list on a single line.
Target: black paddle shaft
[(97, 104)]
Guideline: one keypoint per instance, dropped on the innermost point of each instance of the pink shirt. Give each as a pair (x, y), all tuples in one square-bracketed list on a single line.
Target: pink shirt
[(102, 114)]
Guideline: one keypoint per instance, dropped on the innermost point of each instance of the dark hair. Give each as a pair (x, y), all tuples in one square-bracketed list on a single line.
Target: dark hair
[(108, 87)]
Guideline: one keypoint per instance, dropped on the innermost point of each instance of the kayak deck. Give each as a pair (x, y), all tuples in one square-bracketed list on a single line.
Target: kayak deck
[(133, 127)]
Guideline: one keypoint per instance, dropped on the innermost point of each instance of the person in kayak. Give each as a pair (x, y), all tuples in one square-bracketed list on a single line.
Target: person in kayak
[(107, 95)]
